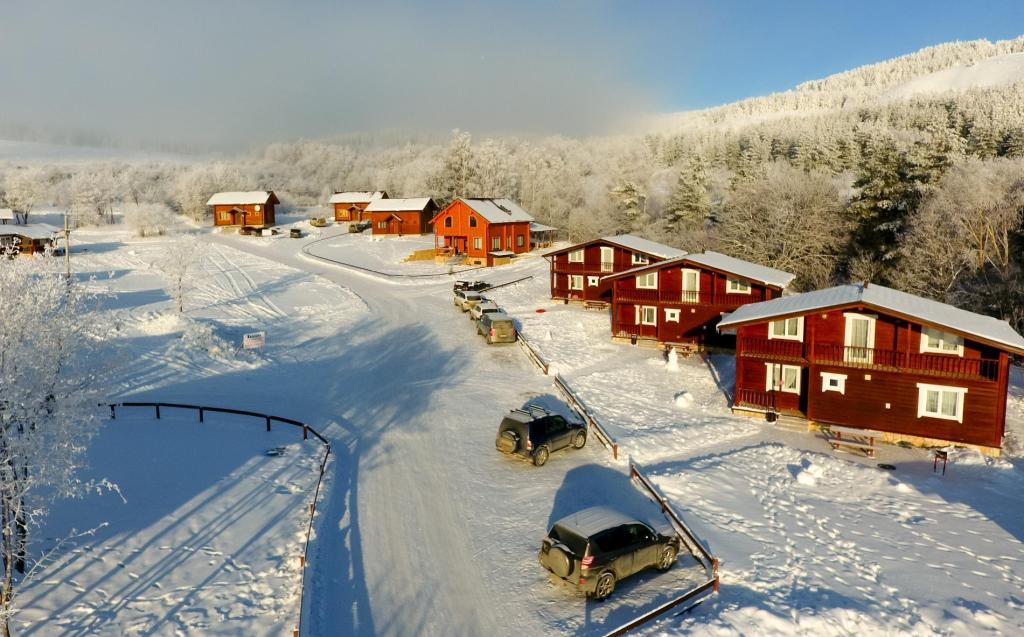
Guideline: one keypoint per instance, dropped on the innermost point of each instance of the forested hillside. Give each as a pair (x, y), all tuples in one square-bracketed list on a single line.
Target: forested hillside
[(844, 178)]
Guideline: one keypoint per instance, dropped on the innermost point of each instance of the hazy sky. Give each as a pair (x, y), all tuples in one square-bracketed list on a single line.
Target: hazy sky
[(235, 74)]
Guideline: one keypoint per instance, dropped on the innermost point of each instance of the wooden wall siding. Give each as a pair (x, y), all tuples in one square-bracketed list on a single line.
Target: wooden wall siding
[(223, 215), (412, 222), (698, 313), (460, 236), (350, 211), (26, 245), (622, 259), (881, 394)]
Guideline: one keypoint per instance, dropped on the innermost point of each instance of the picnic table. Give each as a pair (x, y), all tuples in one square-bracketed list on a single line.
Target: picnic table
[(863, 439)]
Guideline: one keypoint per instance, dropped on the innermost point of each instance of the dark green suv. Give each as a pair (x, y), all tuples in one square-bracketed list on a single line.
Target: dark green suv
[(534, 433), (593, 549)]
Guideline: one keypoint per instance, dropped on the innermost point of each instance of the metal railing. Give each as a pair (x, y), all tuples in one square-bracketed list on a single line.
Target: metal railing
[(268, 420), (593, 423), (940, 364), (686, 297)]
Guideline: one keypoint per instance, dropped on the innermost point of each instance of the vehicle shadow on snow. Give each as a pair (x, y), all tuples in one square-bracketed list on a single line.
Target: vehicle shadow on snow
[(599, 485)]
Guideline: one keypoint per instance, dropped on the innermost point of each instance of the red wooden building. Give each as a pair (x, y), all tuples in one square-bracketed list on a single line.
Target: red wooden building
[(482, 229), (251, 209), (350, 206), (28, 238), (679, 301), (578, 271), (401, 216), (869, 357)]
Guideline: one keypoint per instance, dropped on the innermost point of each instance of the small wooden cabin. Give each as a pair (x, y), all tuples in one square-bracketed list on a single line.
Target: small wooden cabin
[(482, 230), (401, 216), (254, 209), (577, 272), (30, 238), (6, 216), (873, 358), (679, 301), (350, 206)]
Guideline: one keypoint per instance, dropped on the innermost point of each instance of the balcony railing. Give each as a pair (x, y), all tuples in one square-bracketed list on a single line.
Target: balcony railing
[(871, 358), (641, 295), (575, 267)]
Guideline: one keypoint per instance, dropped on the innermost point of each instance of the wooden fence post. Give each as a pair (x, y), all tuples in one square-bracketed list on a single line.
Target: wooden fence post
[(157, 411), (305, 432), (200, 414), (268, 423), (714, 570), (113, 413)]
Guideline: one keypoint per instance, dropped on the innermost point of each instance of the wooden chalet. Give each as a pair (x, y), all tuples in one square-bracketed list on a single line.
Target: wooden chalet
[(401, 216), (873, 358), (350, 206), (578, 271), (484, 231), (29, 238), (254, 209), (679, 301)]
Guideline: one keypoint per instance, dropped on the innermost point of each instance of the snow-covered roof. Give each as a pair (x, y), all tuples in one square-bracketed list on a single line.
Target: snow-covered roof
[(498, 210), (398, 205), (595, 519), (357, 196), (540, 227), (30, 230), (881, 298), (716, 261), (639, 244), (240, 198), (6, 213), (739, 267)]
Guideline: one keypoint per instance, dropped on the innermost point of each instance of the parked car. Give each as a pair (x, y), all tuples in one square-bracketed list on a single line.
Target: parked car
[(535, 433), (496, 327), (485, 306), (465, 299), (295, 233), (318, 222), (475, 286), (595, 548), (358, 226)]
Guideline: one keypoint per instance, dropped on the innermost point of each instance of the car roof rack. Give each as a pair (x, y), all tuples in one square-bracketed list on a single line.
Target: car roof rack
[(532, 409)]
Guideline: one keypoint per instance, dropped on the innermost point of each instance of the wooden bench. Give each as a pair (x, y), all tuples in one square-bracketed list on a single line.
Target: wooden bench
[(594, 305), (863, 439)]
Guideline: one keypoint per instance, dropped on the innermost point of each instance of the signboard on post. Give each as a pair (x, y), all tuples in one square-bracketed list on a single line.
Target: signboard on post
[(254, 340)]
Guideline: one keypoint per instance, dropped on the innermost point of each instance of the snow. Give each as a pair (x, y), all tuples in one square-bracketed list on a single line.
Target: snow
[(646, 246), (745, 269), (883, 298), (30, 230), (1000, 70), (424, 528), (240, 198), (498, 210), (355, 197), (398, 205), (6, 214)]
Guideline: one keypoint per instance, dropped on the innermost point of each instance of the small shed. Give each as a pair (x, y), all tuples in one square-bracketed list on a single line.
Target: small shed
[(6, 216), (542, 236), (252, 209), (350, 206), (29, 238)]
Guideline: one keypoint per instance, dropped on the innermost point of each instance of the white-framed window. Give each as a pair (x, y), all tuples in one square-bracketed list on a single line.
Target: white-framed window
[(593, 281), (859, 338), (647, 281), (833, 382), (495, 243), (383, 225), (671, 316), (691, 285), (791, 329), (576, 256), (478, 243), (939, 342), (520, 240), (737, 286), (607, 259), (648, 315), (784, 378), (640, 259), (939, 401), (575, 281)]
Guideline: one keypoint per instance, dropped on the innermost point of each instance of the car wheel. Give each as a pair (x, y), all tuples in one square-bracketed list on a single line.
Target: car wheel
[(605, 586), (579, 439), (667, 558), (540, 457)]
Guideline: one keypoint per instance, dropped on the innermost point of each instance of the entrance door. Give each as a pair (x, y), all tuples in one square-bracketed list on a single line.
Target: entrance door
[(691, 286), (860, 338)]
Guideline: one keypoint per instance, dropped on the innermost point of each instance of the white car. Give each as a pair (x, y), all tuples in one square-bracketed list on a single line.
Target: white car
[(464, 299), (485, 306)]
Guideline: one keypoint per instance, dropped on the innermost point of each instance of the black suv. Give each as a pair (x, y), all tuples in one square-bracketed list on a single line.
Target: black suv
[(593, 549), (470, 286), (535, 432)]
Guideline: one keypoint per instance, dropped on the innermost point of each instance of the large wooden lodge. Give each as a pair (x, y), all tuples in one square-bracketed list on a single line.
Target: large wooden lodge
[(485, 231), (254, 209), (578, 272), (870, 357)]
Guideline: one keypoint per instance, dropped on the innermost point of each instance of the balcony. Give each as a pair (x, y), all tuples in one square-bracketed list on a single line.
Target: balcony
[(870, 358), (565, 267), (640, 295)]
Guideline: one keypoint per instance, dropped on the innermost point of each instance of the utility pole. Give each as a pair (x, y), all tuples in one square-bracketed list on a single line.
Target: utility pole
[(67, 246)]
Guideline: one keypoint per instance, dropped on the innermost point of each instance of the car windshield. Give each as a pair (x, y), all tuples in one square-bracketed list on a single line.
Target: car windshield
[(575, 543)]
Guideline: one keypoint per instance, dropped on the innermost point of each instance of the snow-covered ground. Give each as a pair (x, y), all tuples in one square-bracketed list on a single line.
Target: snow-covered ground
[(811, 541)]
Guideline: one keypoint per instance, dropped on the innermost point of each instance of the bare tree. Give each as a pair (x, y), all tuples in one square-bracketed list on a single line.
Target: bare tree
[(177, 264)]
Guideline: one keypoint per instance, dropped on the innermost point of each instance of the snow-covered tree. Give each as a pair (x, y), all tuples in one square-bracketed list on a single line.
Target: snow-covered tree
[(631, 201), (47, 406), (24, 190), (178, 263), (689, 207), (148, 219), (458, 173)]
